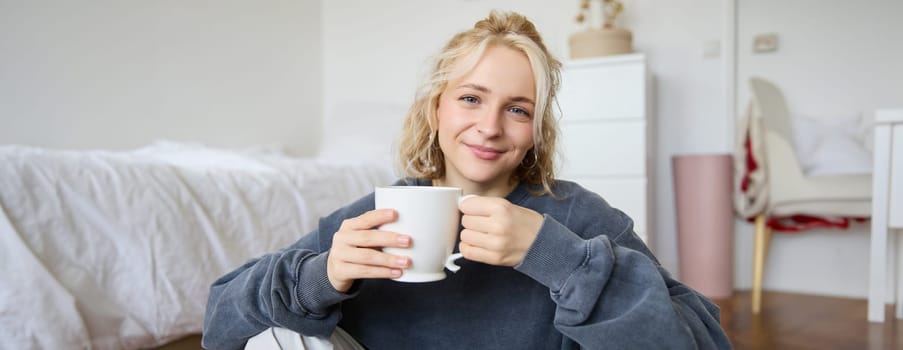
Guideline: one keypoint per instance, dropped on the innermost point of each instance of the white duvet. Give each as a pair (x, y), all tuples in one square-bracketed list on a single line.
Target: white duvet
[(116, 250)]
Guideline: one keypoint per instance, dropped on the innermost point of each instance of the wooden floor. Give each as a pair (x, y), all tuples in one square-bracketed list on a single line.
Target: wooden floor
[(787, 321), (798, 321)]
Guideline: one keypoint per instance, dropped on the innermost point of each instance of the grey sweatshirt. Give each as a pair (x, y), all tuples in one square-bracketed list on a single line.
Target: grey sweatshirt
[(587, 281)]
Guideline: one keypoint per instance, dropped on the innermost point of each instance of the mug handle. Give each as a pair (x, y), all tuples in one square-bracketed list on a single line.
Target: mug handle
[(450, 262)]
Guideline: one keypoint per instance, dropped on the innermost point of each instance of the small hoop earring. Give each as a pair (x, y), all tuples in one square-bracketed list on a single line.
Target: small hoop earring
[(535, 161)]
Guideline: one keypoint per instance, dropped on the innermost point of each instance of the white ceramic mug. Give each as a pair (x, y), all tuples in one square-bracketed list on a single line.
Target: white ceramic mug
[(430, 216)]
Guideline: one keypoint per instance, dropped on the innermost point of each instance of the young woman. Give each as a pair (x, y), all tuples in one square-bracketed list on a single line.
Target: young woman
[(548, 263)]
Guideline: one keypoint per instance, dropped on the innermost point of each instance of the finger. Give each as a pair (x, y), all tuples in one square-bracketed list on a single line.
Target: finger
[(476, 253), (370, 219), (480, 223), (371, 257), (482, 240), (464, 198), (480, 206), (355, 271), (375, 239)]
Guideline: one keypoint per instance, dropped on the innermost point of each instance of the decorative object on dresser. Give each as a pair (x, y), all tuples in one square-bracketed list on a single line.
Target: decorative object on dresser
[(600, 41), (605, 132)]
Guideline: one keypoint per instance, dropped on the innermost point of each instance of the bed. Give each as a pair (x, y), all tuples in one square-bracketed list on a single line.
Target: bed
[(116, 250)]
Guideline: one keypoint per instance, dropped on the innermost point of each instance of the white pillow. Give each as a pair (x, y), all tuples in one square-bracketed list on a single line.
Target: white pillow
[(831, 146), (199, 157)]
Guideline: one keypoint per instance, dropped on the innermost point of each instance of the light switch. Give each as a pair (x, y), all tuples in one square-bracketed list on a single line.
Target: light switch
[(765, 42)]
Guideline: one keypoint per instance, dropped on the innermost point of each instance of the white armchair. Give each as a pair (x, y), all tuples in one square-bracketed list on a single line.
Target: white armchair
[(787, 189)]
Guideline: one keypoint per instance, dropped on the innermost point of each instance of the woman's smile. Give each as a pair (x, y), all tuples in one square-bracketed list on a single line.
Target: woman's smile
[(485, 153)]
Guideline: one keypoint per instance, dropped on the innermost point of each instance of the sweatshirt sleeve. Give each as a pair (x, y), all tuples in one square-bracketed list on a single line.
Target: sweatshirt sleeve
[(273, 291), (612, 293), (288, 288)]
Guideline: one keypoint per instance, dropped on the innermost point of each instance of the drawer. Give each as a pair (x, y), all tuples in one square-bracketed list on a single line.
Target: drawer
[(603, 148), (610, 91), (628, 195)]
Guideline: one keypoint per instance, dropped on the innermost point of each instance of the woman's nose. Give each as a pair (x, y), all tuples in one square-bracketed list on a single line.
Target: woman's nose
[(490, 123)]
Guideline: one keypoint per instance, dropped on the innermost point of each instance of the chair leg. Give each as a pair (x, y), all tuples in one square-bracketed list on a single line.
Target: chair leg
[(760, 250)]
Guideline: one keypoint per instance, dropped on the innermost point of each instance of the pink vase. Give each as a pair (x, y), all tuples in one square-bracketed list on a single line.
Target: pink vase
[(703, 190)]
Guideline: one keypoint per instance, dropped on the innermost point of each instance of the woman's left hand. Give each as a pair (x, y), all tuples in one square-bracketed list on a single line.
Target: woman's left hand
[(497, 232)]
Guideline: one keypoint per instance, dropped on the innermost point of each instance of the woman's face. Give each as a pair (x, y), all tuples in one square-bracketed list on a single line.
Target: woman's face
[(486, 120)]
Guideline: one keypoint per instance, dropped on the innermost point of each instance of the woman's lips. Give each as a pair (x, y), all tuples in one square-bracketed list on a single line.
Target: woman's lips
[(485, 153)]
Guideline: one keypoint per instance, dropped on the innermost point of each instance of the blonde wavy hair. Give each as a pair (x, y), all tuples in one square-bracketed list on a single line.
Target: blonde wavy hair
[(419, 152)]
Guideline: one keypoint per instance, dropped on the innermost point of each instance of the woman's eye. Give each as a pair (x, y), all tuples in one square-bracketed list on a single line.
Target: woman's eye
[(519, 111), (469, 99)]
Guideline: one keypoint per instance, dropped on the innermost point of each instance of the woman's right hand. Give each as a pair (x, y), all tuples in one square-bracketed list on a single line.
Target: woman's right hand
[(357, 250)]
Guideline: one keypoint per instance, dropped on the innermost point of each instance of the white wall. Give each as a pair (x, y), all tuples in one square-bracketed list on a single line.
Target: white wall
[(689, 99), (120, 74), (376, 51), (836, 60)]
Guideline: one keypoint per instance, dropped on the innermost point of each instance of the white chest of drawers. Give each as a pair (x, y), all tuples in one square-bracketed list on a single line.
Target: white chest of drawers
[(605, 132)]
